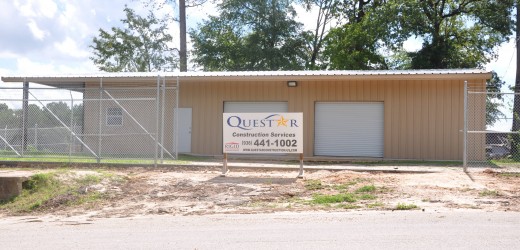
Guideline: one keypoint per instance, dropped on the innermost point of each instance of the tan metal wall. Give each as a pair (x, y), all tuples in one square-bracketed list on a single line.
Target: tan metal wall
[(130, 138), (423, 118)]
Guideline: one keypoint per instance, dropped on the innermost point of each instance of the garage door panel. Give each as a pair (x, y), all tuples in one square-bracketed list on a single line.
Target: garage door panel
[(349, 129)]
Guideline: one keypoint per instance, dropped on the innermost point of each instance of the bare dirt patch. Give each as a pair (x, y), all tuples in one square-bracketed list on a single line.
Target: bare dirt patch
[(185, 191)]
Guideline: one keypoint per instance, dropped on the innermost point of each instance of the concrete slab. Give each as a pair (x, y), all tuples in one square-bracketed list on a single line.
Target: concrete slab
[(11, 183)]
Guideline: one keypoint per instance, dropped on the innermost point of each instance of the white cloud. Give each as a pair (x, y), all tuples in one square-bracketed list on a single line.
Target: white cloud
[(37, 8), (70, 47), (47, 8), (36, 31)]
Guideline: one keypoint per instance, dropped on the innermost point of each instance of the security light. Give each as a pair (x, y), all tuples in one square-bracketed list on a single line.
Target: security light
[(292, 83)]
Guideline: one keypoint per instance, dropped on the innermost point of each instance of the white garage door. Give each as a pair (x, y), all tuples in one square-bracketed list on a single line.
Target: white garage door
[(349, 129), (255, 107)]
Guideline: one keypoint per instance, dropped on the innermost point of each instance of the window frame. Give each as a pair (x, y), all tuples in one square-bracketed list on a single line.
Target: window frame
[(111, 117)]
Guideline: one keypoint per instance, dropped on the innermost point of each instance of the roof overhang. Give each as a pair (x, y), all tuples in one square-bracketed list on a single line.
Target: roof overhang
[(152, 77)]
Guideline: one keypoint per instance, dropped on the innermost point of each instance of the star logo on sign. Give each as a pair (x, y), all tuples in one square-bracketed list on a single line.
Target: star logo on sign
[(282, 122)]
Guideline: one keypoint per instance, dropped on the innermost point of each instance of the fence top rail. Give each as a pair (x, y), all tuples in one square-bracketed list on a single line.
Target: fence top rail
[(492, 93), (78, 99), (121, 88), (492, 132)]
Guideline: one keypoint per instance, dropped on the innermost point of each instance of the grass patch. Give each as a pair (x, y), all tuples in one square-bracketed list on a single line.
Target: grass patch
[(366, 197), (336, 198), (60, 188), (492, 193), (348, 206), (90, 179), (136, 160), (375, 204), (341, 187), (404, 206), (509, 175), (366, 189), (409, 163), (313, 184)]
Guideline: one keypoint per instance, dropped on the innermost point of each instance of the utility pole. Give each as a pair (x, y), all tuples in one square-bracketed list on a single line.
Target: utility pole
[(182, 30), (516, 106)]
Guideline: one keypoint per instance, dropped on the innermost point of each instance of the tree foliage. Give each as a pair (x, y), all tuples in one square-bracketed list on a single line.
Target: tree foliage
[(251, 35), (326, 10), (143, 45), (12, 118), (494, 102), (456, 33)]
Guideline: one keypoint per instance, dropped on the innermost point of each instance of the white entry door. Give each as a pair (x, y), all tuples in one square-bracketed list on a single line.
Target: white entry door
[(184, 130)]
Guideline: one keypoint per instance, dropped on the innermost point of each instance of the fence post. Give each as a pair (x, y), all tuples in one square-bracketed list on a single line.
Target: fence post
[(176, 117), (100, 119), (25, 107), (70, 124), (5, 136), (162, 116), (157, 121), (465, 133), (36, 136)]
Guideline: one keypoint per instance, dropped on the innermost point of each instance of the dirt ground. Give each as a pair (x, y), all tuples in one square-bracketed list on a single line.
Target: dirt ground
[(189, 191)]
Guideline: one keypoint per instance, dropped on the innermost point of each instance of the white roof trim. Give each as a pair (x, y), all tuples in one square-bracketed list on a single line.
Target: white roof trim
[(187, 75)]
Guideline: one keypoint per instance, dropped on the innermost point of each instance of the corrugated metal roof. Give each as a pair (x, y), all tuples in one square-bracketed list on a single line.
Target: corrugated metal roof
[(238, 74)]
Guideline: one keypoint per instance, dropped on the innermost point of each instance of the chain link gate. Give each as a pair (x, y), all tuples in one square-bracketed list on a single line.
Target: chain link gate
[(488, 139), (130, 125)]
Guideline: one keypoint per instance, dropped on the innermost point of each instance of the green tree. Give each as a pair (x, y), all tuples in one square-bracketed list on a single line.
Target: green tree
[(456, 33), (326, 10), (7, 117), (357, 43), (251, 35), (141, 46), (494, 101)]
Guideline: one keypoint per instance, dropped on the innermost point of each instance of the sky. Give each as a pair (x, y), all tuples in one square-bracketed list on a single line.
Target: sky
[(53, 36)]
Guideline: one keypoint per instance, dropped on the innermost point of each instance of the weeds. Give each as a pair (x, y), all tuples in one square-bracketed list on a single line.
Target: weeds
[(375, 204), (336, 198), (367, 197), (313, 184), (366, 189), (509, 175), (55, 189), (348, 206), (492, 193), (404, 206)]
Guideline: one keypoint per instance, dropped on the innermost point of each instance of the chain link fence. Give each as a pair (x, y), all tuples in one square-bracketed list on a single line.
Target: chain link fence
[(133, 125), (488, 122)]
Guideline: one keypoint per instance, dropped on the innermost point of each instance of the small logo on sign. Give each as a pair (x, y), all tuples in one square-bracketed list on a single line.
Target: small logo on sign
[(282, 122), (232, 146)]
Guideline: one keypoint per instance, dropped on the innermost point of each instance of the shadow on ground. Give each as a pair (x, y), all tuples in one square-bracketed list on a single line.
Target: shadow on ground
[(253, 180)]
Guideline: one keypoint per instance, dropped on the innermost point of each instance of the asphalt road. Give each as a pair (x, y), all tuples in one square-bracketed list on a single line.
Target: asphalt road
[(349, 230)]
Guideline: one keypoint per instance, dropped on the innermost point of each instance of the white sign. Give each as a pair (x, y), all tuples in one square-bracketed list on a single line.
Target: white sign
[(263, 133)]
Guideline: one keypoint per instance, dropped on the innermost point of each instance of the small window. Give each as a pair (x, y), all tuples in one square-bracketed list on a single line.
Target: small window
[(114, 117)]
